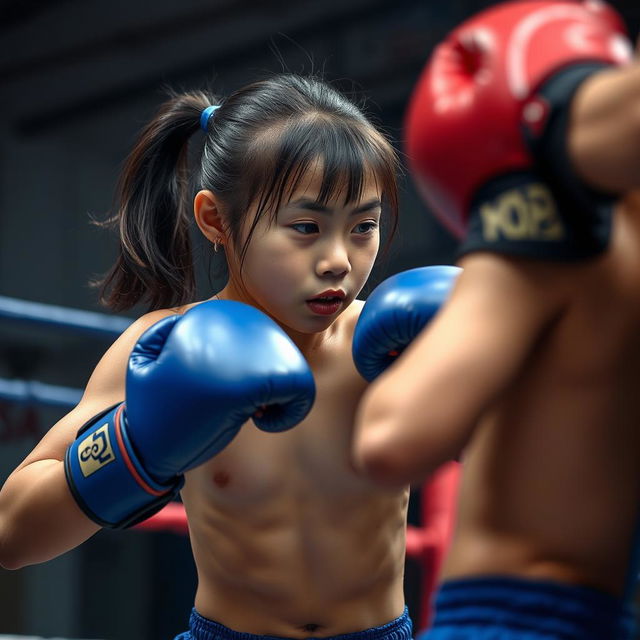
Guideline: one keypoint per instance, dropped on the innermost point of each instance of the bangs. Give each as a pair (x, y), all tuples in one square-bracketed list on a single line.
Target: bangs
[(345, 152)]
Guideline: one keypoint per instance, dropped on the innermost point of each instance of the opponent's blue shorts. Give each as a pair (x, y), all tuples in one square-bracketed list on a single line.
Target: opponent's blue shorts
[(202, 629), (506, 608)]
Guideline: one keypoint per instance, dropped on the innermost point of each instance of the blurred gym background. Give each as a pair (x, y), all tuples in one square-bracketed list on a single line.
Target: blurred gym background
[(77, 81)]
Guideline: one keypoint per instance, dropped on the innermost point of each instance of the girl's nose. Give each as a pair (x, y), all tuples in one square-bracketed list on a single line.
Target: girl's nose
[(334, 261)]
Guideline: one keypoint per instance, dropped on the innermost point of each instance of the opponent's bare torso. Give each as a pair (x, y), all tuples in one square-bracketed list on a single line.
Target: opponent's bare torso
[(551, 483)]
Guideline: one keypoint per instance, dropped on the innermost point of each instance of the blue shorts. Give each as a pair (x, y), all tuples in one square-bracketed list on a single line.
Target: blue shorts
[(506, 608), (202, 629)]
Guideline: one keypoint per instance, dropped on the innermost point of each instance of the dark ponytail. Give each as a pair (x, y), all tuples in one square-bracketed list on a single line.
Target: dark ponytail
[(153, 213)]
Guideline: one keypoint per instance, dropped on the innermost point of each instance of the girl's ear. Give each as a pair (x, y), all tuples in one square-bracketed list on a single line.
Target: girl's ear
[(208, 215)]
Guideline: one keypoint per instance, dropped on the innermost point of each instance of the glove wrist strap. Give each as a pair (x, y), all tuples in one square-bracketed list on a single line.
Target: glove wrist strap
[(106, 477)]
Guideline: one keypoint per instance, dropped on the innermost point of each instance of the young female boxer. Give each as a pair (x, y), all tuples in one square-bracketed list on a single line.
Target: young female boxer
[(288, 540)]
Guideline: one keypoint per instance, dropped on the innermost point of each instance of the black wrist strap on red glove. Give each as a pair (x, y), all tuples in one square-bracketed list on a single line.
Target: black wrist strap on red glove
[(587, 211), (545, 212)]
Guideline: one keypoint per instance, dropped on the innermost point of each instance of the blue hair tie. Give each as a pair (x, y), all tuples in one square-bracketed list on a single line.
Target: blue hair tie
[(205, 115)]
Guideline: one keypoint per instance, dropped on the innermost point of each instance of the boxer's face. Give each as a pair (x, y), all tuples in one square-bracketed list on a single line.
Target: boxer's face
[(309, 262)]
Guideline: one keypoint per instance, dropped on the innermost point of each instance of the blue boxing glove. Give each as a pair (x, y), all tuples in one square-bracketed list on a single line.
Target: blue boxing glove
[(192, 381), (396, 312)]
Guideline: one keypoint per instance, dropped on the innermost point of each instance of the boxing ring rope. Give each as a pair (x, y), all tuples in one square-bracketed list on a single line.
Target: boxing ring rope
[(55, 317), (425, 544), (34, 392), (49, 315)]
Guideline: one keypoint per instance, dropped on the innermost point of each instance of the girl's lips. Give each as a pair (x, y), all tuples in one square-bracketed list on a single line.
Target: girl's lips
[(324, 307), (331, 293)]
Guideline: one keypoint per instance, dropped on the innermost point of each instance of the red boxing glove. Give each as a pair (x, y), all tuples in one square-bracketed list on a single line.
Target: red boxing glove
[(486, 127)]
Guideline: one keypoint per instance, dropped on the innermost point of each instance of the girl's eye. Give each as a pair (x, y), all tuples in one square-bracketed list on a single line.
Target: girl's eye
[(305, 228), (365, 227)]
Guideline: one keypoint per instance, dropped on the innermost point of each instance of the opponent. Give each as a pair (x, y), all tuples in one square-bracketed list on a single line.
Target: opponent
[(531, 368), (294, 185)]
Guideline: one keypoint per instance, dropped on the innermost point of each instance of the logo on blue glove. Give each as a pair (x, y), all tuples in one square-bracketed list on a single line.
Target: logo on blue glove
[(95, 451)]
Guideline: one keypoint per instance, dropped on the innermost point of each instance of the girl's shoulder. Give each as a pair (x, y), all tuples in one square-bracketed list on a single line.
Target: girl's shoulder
[(144, 322), (115, 359), (349, 318), (117, 355)]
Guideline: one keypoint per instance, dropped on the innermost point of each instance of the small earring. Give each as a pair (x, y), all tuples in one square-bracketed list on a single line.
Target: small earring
[(216, 242)]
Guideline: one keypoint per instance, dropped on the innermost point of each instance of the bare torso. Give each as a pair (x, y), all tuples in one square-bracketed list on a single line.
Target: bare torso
[(551, 483), (287, 539)]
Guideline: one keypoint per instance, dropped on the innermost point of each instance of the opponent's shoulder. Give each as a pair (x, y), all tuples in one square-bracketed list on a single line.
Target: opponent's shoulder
[(602, 138)]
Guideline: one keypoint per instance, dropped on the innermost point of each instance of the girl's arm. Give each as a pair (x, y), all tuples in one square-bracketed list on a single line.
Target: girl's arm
[(39, 518)]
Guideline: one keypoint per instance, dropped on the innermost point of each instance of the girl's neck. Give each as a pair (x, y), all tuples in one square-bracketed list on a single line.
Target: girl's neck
[(306, 342)]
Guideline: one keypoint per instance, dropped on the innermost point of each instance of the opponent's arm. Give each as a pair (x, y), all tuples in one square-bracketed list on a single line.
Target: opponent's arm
[(39, 519), (604, 131), (504, 82), (423, 410)]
